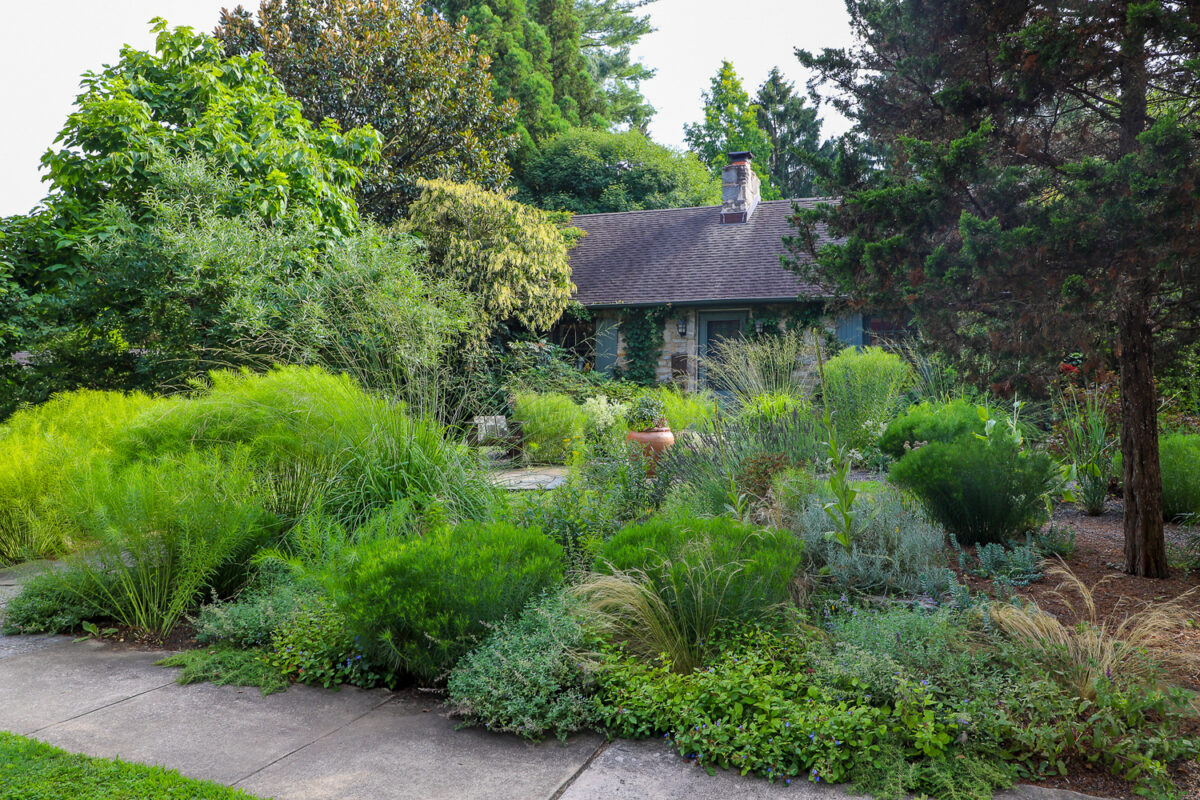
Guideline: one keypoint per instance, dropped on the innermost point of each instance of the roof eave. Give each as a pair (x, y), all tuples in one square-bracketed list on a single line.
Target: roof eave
[(717, 302)]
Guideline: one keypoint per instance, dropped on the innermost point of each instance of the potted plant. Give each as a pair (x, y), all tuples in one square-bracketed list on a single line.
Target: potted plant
[(648, 427)]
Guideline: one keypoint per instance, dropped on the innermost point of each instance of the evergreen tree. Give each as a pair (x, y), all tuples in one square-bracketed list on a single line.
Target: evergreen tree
[(794, 130), (1041, 195), (610, 28), (731, 124)]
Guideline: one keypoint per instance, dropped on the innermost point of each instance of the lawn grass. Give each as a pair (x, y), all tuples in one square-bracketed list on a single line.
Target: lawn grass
[(31, 770)]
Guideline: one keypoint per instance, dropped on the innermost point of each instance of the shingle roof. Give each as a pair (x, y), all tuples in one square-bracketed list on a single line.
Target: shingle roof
[(686, 255)]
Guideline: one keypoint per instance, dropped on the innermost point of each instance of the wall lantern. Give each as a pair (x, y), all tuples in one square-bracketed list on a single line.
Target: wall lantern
[(758, 326), (681, 326)]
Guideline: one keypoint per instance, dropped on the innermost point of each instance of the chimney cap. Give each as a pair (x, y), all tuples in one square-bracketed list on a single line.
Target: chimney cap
[(740, 155)]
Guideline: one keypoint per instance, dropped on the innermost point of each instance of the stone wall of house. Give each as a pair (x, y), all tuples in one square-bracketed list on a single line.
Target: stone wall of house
[(679, 360)]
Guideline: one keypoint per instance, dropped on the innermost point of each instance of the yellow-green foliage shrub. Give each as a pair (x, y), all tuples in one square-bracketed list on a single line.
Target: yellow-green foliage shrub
[(551, 425), (40, 447), (685, 410)]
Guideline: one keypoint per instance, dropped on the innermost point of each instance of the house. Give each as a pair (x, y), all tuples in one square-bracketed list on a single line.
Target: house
[(715, 271)]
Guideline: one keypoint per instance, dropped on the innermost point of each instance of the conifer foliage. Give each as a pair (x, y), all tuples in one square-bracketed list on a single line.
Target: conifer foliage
[(1041, 195)]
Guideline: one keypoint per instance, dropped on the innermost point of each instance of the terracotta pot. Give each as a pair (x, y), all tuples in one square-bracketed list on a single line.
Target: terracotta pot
[(653, 442)]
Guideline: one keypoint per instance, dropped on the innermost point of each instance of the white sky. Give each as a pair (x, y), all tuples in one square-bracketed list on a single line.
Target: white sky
[(45, 46)]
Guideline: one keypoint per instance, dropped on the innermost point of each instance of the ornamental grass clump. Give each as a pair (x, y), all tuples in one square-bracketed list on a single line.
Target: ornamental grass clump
[(667, 585), (773, 365), (1089, 442), (1128, 648)]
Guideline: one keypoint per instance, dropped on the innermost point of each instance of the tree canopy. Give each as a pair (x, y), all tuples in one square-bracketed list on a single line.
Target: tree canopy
[(730, 125), (183, 101), (587, 172), (416, 79), (187, 97), (512, 258), (794, 131), (1041, 195), (565, 62)]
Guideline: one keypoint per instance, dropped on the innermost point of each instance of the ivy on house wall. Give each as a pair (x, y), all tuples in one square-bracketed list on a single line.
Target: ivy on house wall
[(642, 330)]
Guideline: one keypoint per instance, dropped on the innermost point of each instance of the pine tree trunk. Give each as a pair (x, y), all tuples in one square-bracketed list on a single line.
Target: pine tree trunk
[(1145, 548)]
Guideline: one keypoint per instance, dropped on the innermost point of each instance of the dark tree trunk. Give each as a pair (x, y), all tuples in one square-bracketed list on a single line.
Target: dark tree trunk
[(1145, 548)]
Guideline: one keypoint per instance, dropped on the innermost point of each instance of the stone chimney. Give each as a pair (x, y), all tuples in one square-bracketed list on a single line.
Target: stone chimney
[(739, 188)]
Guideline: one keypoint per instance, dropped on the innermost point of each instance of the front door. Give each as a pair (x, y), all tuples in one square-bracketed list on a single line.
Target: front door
[(716, 326)]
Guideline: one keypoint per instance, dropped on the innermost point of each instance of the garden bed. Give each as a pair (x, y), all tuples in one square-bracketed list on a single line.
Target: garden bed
[(1099, 543)]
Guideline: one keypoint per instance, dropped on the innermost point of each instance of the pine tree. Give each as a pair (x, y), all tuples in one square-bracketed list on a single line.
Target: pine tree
[(1042, 193), (730, 125)]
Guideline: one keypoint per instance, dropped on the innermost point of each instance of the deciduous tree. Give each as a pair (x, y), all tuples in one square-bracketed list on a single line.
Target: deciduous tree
[(588, 172), (511, 257), (417, 79)]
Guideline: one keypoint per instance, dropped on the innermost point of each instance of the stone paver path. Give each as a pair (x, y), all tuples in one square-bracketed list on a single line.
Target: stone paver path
[(529, 478)]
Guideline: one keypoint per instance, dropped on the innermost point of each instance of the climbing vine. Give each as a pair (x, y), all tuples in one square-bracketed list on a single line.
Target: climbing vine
[(642, 330)]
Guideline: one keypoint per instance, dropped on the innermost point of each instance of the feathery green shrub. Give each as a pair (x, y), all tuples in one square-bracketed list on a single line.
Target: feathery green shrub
[(1179, 455), (40, 448), (862, 390), (980, 491), (928, 422), (167, 532), (419, 604), (319, 437), (552, 425)]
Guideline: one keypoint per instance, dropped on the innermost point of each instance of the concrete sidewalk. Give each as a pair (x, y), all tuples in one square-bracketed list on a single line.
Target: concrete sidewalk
[(316, 744)]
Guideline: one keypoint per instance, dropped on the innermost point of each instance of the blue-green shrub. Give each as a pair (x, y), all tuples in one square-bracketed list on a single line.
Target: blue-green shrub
[(980, 491), (894, 544), (526, 678), (419, 604)]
